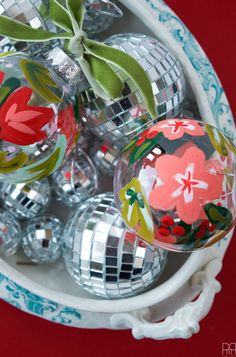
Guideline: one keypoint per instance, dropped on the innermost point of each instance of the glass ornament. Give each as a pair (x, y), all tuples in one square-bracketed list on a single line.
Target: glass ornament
[(105, 156), (106, 258), (26, 200), (38, 122), (124, 118), (10, 234), (77, 179), (175, 185), (42, 239)]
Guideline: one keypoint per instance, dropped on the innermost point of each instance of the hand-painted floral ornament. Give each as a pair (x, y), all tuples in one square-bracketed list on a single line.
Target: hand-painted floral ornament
[(175, 185), (38, 127), (100, 63)]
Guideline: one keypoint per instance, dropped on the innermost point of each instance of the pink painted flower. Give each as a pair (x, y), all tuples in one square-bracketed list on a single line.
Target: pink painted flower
[(175, 128), (188, 182)]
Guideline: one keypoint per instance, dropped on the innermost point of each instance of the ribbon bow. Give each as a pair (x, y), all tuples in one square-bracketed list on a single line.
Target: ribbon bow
[(96, 60)]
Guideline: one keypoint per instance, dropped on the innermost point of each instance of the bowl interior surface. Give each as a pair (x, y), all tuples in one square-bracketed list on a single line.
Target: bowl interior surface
[(54, 276)]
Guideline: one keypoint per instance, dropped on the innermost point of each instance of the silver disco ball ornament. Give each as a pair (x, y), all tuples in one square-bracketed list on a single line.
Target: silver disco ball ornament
[(30, 12), (26, 200), (42, 239), (123, 118), (106, 258), (105, 155), (77, 180), (10, 234)]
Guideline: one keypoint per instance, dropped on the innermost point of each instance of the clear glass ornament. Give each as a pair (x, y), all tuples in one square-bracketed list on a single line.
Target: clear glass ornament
[(42, 239), (175, 185), (10, 234), (106, 258), (26, 200), (124, 118), (77, 179), (38, 119), (105, 156)]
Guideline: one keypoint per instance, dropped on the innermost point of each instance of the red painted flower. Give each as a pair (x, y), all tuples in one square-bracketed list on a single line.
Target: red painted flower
[(176, 128), (20, 123), (188, 182), (147, 134), (68, 125)]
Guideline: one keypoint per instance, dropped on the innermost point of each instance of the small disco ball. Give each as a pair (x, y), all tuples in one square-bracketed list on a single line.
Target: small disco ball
[(124, 118), (26, 200), (77, 180), (105, 156), (39, 128), (42, 239), (175, 185), (106, 258), (10, 234), (29, 12)]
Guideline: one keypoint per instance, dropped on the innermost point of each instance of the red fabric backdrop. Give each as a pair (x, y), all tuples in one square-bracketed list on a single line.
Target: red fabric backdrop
[(213, 24)]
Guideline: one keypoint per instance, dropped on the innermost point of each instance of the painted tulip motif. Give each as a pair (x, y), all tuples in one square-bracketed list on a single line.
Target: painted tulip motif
[(135, 210), (187, 183), (20, 123)]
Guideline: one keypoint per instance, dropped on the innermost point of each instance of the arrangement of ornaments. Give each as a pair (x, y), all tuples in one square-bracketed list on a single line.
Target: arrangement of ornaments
[(75, 112)]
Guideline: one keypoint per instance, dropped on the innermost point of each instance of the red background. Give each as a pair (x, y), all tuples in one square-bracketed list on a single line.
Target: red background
[(213, 24)]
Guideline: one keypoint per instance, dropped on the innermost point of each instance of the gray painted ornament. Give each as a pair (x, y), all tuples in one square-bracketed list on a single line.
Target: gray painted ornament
[(106, 258), (124, 118)]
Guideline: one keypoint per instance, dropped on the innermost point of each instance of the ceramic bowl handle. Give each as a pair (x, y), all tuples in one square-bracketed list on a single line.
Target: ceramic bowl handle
[(185, 321)]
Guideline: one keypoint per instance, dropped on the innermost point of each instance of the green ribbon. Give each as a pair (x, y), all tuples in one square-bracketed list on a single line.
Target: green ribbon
[(134, 198), (98, 61)]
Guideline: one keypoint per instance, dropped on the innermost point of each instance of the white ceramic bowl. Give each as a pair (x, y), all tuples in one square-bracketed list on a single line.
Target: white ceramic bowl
[(48, 291)]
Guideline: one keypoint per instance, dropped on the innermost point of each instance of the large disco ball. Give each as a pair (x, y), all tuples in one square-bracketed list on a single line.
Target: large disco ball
[(32, 13), (106, 258), (175, 185), (37, 120), (124, 118)]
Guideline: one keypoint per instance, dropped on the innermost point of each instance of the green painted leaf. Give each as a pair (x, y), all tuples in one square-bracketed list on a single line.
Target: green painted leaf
[(76, 11), (217, 140), (18, 31), (40, 80), (8, 87), (221, 216), (8, 166), (127, 64), (130, 145), (43, 167), (105, 76), (140, 151), (60, 16)]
